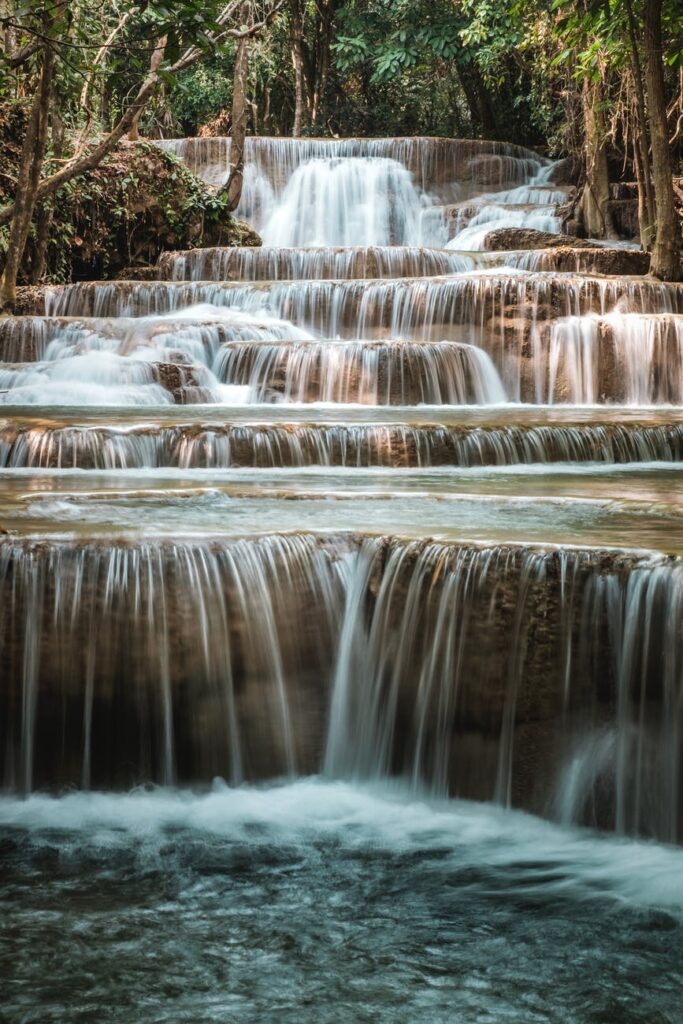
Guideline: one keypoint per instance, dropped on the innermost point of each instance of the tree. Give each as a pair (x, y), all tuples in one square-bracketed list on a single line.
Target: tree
[(233, 188), (170, 40), (50, 23), (611, 35), (666, 252), (595, 210)]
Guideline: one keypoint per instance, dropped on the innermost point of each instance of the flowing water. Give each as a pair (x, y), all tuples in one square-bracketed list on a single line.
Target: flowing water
[(341, 615)]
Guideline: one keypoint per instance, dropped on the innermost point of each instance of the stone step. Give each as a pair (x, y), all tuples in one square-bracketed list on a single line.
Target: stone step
[(270, 263), (409, 438), (416, 304)]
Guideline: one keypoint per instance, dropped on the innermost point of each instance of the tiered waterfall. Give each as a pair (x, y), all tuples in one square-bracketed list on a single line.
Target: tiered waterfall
[(368, 501)]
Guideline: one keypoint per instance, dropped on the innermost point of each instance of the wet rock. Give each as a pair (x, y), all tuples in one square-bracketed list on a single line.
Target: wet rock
[(141, 273), (30, 300), (515, 239), (625, 217), (592, 260), (565, 172), (181, 380)]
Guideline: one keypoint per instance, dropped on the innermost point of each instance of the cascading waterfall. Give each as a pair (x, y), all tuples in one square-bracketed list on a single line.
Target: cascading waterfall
[(376, 191), (641, 355), (320, 563), (550, 337), (448, 630), (269, 445), (168, 661), (103, 378), (548, 679), (425, 648), (415, 305), (493, 217), (270, 263), (374, 373), (371, 201), (194, 332), (433, 162)]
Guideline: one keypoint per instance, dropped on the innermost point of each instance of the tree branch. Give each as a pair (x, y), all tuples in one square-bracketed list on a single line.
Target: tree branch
[(81, 163)]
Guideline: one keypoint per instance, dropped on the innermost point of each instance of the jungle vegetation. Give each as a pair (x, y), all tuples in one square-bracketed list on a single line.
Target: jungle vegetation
[(599, 82)]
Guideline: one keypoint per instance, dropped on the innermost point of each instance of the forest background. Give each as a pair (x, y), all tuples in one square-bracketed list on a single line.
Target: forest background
[(597, 82)]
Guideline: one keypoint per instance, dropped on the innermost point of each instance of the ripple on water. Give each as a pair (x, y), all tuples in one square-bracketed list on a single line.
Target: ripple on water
[(320, 901)]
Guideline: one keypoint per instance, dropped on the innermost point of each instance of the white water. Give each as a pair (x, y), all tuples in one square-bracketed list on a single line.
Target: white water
[(346, 202), (379, 817), (530, 206), (181, 601), (645, 352)]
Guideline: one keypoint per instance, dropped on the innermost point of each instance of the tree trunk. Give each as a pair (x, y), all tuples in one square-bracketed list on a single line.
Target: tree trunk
[(665, 262), (297, 46), (596, 216), (31, 163), (644, 221), (233, 188), (646, 199), (486, 111), (478, 99), (327, 10), (46, 209)]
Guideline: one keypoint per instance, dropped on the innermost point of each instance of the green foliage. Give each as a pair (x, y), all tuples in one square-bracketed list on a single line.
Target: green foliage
[(137, 203), (201, 92)]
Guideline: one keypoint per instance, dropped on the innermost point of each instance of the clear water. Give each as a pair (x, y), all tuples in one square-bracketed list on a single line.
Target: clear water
[(637, 507), (318, 900), (323, 902)]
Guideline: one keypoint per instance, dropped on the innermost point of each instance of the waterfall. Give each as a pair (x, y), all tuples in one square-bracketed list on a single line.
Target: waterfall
[(314, 192), (432, 162), (346, 202), (270, 263), (415, 305), (168, 661), (375, 373), (421, 647), (643, 355), (269, 445), (208, 568), (550, 338), (236, 653)]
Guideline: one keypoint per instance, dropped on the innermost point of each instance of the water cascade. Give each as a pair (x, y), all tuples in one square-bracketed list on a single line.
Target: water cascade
[(367, 502), (228, 643), (270, 263), (371, 373), (550, 337), (55, 444)]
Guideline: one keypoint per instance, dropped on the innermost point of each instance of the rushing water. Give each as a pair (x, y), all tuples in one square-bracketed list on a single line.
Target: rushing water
[(321, 563), (46, 444), (320, 902)]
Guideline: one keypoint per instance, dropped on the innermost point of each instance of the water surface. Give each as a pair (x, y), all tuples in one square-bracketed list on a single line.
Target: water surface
[(324, 901)]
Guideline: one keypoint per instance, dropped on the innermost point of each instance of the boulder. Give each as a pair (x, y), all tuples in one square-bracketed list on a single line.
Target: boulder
[(565, 172), (528, 238)]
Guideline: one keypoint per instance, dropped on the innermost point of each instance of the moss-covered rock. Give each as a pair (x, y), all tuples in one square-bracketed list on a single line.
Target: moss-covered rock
[(140, 201)]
